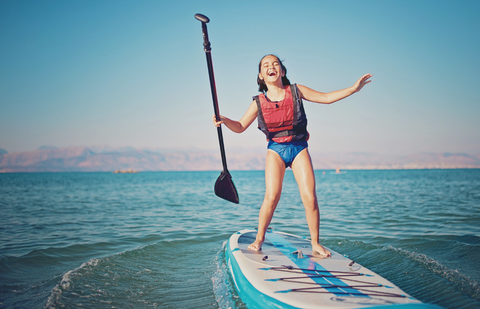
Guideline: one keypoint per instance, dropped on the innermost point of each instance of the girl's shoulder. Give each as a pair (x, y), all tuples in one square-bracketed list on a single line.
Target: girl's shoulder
[(258, 96)]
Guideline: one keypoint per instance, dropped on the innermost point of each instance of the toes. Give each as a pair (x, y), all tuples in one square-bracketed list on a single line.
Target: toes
[(254, 247)]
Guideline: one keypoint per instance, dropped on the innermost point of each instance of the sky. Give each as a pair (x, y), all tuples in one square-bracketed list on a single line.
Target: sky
[(133, 73)]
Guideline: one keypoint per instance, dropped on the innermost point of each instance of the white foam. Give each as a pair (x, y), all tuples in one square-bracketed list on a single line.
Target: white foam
[(466, 284), (65, 283), (222, 288)]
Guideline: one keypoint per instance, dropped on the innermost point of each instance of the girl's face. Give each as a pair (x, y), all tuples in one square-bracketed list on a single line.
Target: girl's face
[(270, 69)]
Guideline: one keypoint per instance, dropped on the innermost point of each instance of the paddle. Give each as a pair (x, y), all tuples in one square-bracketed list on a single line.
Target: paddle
[(224, 186)]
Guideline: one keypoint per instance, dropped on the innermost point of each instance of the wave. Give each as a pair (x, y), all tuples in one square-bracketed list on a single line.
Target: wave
[(166, 275), (462, 282), (418, 274), (65, 283)]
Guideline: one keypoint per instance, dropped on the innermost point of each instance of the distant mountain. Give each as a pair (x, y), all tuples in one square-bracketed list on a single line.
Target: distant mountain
[(3, 151), (416, 161), (83, 159)]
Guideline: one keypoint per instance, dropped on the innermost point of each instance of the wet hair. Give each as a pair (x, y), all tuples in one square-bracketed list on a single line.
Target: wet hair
[(262, 87)]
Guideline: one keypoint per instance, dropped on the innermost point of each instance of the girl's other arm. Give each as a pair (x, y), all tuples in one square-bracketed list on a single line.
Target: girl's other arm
[(242, 124), (334, 96)]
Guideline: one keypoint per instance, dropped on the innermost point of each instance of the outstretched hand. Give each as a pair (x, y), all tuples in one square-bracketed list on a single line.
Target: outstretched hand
[(362, 82)]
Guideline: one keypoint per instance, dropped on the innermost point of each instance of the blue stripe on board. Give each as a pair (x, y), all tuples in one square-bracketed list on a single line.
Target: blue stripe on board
[(306, 263)]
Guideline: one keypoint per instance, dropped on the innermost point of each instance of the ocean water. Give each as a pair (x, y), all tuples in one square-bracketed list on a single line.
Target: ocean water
[(155, 240)]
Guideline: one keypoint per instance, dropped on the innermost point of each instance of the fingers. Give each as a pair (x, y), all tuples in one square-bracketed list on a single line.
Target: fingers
[(215, 122), (363, 81), (366, 77)]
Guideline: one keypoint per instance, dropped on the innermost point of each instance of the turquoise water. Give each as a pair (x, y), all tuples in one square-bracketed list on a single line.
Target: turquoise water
[(155, 240)]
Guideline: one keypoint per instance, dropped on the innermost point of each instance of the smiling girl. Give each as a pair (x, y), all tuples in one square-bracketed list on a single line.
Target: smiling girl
[(281, 116)]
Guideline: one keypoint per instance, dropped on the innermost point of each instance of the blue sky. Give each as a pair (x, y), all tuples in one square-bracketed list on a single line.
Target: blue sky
[(133, 73)]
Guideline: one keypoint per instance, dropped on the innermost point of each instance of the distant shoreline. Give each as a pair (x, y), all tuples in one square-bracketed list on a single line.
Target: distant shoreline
[(317, 171), (83, 159)]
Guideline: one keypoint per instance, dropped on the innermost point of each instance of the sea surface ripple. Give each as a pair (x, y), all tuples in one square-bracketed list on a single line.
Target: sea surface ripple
[(156, 240)]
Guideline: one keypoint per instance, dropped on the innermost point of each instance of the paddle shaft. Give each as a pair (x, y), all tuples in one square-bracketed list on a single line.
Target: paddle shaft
[(208, 54), (224, 186)]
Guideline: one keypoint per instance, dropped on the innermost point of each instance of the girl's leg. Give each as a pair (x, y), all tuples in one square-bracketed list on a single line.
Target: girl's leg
[(274, 173), (303, 171)]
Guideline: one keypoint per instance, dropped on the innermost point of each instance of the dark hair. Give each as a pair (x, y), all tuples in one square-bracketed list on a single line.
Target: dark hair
[(262, 87)]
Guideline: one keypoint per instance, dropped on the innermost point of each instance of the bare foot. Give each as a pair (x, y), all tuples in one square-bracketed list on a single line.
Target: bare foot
[(256, 245), (319, 249)]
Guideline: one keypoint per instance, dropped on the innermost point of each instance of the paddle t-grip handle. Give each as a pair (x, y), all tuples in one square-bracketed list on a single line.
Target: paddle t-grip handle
[(206, 43), (202, 18)]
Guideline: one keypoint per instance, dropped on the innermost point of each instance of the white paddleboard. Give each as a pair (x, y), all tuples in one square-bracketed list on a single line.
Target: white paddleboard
[(276, 277)]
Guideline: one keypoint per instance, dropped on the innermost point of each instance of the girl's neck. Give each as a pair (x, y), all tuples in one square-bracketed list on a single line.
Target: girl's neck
[(275, 93)]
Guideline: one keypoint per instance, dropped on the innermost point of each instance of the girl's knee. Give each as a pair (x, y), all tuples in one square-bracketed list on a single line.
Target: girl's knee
[(271, 200), (310, 201)]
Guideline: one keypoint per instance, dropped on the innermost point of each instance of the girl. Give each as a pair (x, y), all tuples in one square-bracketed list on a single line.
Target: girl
[(281, 117)]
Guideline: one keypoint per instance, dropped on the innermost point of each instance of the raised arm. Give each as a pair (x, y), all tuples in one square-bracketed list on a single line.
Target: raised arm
[(334, 96), (242, 124)]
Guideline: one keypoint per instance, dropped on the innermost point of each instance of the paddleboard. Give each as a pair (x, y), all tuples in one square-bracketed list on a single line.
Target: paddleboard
[(285, 274)]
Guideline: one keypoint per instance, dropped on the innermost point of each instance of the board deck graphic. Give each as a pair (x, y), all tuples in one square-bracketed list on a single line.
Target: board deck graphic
[(285, 274)]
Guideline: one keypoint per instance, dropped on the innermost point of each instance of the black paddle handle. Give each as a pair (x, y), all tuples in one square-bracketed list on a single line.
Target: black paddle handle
[(204, 19), (208, 53)]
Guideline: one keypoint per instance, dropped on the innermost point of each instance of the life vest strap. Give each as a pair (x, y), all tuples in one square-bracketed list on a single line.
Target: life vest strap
[(282, 134), (293, 90)]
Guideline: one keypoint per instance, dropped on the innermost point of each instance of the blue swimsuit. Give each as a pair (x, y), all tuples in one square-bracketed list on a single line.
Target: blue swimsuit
[(288, 151)]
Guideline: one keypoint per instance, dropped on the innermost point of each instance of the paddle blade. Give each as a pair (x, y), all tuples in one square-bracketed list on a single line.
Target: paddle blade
[(225, 188)]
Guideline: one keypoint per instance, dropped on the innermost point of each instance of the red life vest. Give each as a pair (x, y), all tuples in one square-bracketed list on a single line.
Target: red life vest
[(282, 121)]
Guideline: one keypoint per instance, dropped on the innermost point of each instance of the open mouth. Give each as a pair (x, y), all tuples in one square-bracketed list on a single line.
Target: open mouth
[(272, 73)]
